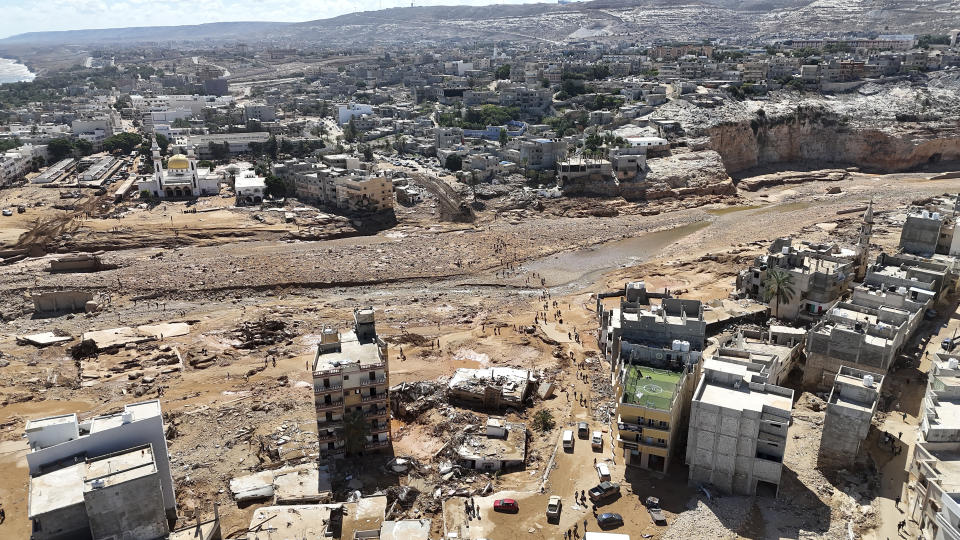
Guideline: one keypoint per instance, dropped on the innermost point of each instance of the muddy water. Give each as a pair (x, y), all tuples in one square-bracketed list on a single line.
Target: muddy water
[(788, 207), (730, 210), (580, 268), (41, 409)]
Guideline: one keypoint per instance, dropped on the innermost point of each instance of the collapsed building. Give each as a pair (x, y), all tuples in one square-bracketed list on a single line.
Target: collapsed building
[(738, 430), (654, 343), (932, 229), (853, 401), (502, 445), (490, 388), (351, 389), (933, 500)]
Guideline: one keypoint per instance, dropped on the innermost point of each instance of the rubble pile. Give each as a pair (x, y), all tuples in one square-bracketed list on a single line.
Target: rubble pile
[(253, 334)]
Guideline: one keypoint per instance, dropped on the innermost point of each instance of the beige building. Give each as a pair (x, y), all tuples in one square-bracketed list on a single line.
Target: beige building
[(367, 193), (350, 386)]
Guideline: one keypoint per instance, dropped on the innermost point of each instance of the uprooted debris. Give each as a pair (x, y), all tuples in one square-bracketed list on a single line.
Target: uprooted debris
[(410, 400), (265, 331)]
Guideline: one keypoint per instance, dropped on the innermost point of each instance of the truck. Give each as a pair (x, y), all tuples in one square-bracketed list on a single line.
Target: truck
[(656, 513), (603, 491)]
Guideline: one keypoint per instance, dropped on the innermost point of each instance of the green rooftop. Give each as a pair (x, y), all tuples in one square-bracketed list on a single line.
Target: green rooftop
[(650, 387)]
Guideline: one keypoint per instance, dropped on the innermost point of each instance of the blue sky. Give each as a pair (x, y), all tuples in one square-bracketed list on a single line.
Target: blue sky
[(19, 16)]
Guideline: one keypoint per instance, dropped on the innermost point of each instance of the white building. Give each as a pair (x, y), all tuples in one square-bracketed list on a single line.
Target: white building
[(346, 111), (181, 178), (67, 467), (250, 188)]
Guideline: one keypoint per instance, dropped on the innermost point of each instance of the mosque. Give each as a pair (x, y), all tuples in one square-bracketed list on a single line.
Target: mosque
[(181, 179)]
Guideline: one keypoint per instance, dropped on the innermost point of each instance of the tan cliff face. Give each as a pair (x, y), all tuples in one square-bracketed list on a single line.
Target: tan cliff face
[(827, 139)]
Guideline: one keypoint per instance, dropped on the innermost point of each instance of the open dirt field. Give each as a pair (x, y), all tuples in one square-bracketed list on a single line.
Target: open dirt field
[(429, 281)]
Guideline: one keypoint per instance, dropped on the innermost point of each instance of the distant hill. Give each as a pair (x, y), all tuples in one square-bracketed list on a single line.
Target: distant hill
[(596, 20)]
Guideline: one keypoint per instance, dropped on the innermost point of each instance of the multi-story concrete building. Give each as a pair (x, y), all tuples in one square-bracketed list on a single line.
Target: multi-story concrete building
[(654, 343), (539, 154), (738, 430), (850, 407), (365, 193), (351, 389), (934, 473), (932, 230), (73, 489), (769, 355)]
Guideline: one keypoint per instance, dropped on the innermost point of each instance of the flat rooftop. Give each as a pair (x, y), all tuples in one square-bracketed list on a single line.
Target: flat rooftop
[(407, 529), (115, 469), (137, 411), (351, 352), (51, 421), (742, 398), (949, 468), (650, 387), (55, 490), (947, 414), (288, 522)]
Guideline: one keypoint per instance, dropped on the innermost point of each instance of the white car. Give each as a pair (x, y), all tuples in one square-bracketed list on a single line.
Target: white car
[(7, 212), (553, 507), (603, 471)]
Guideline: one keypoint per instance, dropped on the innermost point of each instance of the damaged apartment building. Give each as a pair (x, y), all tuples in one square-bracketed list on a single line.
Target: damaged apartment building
[(104, 477), (351, 389), (933, 494), (820, 273), (932, 229), (492, 388), (502, 445), (654, 343), (738, 430), (870, 328), (769, 354)]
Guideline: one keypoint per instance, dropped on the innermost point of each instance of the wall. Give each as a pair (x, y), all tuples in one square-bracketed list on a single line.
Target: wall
[(132, 510)]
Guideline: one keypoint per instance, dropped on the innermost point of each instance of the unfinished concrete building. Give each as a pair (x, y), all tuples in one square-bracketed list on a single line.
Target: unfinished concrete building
[(932, 229), (869, 330), (351, 385), (820, 275), (738, 430), (850, 408), (86, 477), (654, 343), (502, 445), (490, 388), (768, 354)]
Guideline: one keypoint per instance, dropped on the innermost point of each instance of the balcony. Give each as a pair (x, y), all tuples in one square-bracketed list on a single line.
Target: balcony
[(376, 413), (377, 397), (627, 426), (324, 423), (376, 444), (334, 404), (327, 437), (380, 428), (373, 382), (326, 389)]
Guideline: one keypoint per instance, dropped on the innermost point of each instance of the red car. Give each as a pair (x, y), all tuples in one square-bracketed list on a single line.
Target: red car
[(506, 505)]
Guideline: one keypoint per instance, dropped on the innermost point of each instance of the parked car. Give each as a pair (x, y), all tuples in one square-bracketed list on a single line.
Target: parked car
[(609, 520), (603, 471), (603, 491), (948, 344), (553, 507), (567, 440), (583, 430), (7, 212), (656, 513), (506, 505), (596, 440)]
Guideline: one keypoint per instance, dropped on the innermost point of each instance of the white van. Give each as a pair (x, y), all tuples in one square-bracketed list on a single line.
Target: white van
[(568, 439), (596, 440), (603, 472)]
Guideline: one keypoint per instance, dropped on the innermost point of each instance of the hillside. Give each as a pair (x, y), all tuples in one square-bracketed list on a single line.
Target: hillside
[(600, 19)]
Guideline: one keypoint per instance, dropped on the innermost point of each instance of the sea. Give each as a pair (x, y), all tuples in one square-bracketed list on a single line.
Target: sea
[(11, 71)]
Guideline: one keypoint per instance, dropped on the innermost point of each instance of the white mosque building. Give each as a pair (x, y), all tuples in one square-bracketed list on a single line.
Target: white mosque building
[(181, 179)]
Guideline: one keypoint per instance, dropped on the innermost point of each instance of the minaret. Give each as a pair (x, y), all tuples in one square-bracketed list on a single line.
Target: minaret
[(863, 243), (157, 163)]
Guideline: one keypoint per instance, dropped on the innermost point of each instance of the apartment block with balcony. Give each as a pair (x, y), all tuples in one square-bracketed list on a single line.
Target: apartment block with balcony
[(933, 494), (738, 430), (350, 386), (654, 343)]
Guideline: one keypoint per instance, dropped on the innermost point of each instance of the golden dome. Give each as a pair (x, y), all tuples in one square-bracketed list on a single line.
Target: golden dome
[(178, 161)]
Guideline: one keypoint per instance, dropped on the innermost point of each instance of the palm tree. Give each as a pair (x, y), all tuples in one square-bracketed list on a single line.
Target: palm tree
[(778, 286)]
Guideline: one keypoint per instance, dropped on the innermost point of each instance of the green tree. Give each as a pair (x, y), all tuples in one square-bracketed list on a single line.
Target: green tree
[(219, 152), (778, 286), (271, 147), (503, 72), (355, 429), (367, 153), (543, 420), (10, 144), (83, 146), (163, 142), (453, 162), (503, 138), (275, 187), (124, 142)]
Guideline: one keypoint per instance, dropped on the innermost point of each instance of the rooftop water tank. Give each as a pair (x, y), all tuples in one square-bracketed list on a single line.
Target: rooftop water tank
[(868, 381), (675, 345), (936, 215), (127, 417), (953, 363), (685, 346), (785, 250)]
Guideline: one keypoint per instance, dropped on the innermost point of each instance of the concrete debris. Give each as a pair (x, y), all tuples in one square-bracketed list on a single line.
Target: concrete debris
[(43, 339)]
